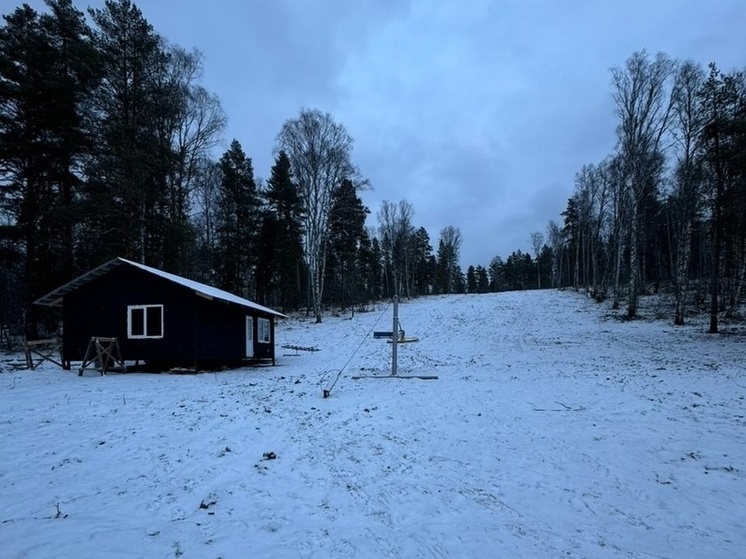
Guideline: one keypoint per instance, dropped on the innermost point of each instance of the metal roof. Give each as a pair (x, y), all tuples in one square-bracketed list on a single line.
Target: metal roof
[(55, 297)]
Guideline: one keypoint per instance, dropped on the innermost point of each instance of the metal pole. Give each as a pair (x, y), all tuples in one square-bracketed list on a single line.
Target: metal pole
[(395, 335)]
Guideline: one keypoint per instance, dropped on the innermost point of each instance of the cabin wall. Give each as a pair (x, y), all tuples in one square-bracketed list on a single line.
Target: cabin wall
[(99, 308), (219, 330), (195, 328)]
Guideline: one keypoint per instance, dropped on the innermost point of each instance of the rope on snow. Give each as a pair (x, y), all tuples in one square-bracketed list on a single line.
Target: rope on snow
[(327, 391)]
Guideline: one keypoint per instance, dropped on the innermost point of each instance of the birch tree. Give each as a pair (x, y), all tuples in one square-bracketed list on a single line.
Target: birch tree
[(194, 131), (537, 241), (206, 203), (556, 243), (592, 193), (449, 249), (395, 228), (614, 175), (642, 95), (319, 150)]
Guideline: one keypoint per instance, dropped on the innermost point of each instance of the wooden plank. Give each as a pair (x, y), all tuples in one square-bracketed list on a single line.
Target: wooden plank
[(42, 342), (300, 347), (421, 377), (44, 350)]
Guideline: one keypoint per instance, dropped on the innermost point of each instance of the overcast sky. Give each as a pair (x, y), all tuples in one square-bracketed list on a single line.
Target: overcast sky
[(478, 112)]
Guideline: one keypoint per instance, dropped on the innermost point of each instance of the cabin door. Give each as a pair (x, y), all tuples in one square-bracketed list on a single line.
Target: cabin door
[(249, 336)]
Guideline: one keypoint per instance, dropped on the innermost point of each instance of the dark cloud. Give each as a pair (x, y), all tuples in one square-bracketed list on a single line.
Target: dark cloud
[(479, 114)]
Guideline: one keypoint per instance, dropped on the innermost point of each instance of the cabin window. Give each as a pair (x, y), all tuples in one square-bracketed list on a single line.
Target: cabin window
[(145, 321), (264, 331)]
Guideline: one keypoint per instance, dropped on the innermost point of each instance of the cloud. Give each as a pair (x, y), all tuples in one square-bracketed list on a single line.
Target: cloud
[(479, 114)]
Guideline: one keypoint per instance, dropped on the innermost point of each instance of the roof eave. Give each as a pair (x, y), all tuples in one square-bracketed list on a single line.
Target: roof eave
[(55, 298)]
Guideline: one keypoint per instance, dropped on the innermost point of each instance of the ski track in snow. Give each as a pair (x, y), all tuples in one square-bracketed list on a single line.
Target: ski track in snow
[(553, 430)]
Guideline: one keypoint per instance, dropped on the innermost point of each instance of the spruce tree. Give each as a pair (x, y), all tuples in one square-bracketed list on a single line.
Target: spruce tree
[(423, 262), (374, 270), (483, 280), (471, 280), (280, 266), (347, 229), (238, 221)]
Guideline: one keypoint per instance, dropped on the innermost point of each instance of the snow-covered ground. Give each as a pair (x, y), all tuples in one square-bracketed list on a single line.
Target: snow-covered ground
[(554, 430)]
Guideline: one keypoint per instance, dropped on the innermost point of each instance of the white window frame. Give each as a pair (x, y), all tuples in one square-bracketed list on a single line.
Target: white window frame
[(264, 331), (144, 325)]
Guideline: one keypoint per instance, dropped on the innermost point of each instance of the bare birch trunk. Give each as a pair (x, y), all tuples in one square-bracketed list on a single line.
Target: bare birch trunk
[(617, 272), (576, 272), (634, 229), (683, 255), (740, 279)]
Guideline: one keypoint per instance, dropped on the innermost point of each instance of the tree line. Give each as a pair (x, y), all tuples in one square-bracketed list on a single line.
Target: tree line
[(105, 133), (667, 208), (664, 212), (106, 150), (107, 142)]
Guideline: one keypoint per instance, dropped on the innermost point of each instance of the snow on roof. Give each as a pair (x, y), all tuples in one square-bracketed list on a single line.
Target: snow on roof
[(56, 296)]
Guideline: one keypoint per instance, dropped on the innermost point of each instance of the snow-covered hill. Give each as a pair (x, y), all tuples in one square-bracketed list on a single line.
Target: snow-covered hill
[(553, 430)]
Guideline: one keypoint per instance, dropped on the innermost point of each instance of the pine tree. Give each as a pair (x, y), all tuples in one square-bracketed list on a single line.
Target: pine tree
[(127, 178), (723, 99), (47, 70), (364, 288), (76, 74), (25, 57)]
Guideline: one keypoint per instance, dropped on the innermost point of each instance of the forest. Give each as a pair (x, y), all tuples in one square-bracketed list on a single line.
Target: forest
[(667, 209), (109, 147)]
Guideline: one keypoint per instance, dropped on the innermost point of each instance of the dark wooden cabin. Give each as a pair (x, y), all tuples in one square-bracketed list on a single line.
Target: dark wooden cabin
[(161, 319)]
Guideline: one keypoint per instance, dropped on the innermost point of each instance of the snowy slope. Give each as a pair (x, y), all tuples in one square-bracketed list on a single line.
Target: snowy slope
[(553, 430)]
